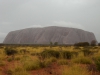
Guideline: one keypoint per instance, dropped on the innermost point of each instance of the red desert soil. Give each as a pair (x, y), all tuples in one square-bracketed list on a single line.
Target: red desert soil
[(8, 65), (53, 69)]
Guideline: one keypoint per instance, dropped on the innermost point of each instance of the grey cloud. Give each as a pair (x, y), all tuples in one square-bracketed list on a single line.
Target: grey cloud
[(19, 14), (2, 36)]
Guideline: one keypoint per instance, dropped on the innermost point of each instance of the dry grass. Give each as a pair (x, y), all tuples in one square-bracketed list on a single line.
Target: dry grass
[(75, 70), (30, 59), (82, 60)]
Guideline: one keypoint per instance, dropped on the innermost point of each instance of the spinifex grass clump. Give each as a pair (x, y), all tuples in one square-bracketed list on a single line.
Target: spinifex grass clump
[(32, 64), (58, 54), (75, 70), (49, 61), (87, 52), (75, 54), (67, 54), (50, 53), (82, 60)]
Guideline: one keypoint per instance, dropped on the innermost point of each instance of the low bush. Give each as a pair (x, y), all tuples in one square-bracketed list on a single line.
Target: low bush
[(97, 62), (86, 52), (93, 43), (49, 61), (98, 44), (82, 44), (32, 64), (50, 53), (10, 51), (75, 54), (10, 59), (67, 54), (24, 51)]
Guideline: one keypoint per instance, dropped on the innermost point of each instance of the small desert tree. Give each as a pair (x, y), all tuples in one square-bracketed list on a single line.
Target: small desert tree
[(51, 43), (81, 44), (93, 43), (56, 43), (98, 44)]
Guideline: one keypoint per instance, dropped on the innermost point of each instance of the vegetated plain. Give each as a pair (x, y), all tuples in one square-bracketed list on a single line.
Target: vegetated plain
[(49, 60)]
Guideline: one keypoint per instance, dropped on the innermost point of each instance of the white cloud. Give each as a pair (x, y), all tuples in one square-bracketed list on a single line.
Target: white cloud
[(35, 26), (60, 24), (67, 24)]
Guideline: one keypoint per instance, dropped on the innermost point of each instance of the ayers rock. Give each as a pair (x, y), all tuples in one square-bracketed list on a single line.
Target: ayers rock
[(62, 35)]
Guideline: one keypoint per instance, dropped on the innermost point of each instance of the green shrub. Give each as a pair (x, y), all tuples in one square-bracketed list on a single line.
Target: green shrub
[(97, 62), (47, 62), (86, 52), (10, 59), (10, 51), (23, 51), (56, 43), (98, 44), (93, 43), (74, 54), (82, 44), (50, 53), (53, 59), (67, 54)]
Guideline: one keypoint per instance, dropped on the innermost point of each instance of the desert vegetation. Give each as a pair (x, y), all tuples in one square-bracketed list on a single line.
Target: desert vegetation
[(49, 60)]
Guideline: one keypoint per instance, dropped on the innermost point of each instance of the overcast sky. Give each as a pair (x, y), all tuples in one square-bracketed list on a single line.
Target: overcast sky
[(20, 14)]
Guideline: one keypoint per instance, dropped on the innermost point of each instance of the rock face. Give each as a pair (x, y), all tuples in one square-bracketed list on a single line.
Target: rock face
[(62, 35)]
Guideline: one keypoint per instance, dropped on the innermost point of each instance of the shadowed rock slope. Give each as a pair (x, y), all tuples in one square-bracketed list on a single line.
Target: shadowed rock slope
[(62, 35)]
